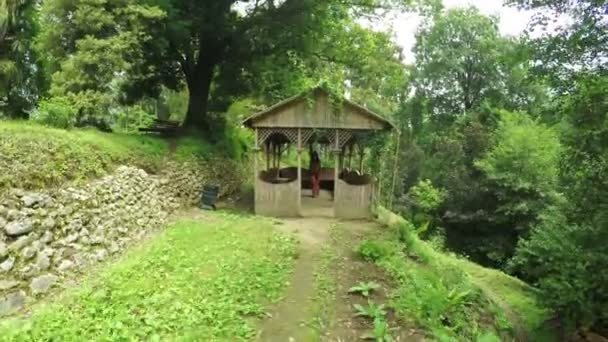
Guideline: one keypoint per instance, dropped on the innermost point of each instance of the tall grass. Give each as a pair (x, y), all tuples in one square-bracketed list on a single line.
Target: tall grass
[(451, 297)]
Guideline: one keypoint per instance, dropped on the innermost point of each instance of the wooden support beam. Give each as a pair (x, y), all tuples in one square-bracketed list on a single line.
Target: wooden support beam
[(299, 151)]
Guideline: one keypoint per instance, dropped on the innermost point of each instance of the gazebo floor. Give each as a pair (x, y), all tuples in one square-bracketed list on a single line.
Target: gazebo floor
[(322, 206)]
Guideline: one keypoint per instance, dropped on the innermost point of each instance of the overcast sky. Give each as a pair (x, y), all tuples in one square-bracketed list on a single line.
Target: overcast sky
[(512, 21)]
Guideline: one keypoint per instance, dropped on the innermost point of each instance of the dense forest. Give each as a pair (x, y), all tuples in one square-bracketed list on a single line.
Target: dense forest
[(502, 151)]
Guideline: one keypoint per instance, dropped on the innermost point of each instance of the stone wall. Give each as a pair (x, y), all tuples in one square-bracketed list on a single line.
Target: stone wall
[(46, 235)]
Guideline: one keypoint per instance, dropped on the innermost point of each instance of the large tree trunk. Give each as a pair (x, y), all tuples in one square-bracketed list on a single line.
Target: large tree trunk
[(199, 84)]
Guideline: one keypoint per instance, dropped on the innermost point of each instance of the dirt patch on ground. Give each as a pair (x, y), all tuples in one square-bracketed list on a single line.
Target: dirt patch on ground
[(350, 270), (287, 320), (309, 314)]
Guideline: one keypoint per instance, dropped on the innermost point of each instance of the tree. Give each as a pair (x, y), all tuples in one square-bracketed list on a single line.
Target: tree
[(19, 76), (577, 46), (220, 49), (522, 168), (457, 56), (565, 254), (212, 40), (100, 53)]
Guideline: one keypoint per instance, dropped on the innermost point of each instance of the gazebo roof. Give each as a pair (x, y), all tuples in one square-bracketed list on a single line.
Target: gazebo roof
[(297, 112)]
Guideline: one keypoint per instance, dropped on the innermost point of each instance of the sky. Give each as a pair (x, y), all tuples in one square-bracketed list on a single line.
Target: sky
[(512, 21)]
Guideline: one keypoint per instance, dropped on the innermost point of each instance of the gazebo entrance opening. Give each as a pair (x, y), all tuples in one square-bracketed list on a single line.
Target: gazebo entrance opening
[(288, 133)]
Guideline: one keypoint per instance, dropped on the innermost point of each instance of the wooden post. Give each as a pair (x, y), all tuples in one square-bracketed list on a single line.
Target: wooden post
[(361, 156), (395, 166), (336, 162), (299, 151), (256, 148)]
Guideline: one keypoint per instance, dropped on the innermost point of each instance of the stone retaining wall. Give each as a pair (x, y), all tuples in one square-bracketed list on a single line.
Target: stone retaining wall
[(47, 235)]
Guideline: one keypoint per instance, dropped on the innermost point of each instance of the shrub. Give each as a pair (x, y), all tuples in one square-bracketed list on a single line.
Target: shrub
[(522, 168), (130, 119), (372, 250), (55, 112), (364, 288), (406, 233), (425, 197), (568, 262)]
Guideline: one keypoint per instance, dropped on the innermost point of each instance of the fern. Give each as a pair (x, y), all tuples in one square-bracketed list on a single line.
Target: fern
[(371, 310), (364, 288)]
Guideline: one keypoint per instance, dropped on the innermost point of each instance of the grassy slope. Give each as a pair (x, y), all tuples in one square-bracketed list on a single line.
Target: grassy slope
[(34, 156), (472, 301), (195, 281)]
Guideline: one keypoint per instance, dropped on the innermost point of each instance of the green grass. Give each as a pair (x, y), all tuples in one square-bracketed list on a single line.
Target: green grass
[(453, 298), (325, 283), (197, 281), (35, 156), (512, 293)]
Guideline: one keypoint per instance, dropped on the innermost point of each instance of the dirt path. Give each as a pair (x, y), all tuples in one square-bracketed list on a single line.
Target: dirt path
[(317, 305), (288, 321)]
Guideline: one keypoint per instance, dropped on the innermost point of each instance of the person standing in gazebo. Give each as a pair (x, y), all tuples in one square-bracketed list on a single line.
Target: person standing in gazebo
[(315, 170)]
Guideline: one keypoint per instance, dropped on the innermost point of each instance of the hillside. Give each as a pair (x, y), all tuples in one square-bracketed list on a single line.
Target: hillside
[(35, 156), (436, 287)]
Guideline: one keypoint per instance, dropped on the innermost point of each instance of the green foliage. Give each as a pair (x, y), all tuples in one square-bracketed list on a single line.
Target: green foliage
[(373, 250), (425, 197), (364, 288), (377, 313), (195, 281), (129, 119), (36, 157), (55, 112), (459, 62), (381, 330), (233, 145), (452, 297), (525, 156), (176, 103), (406, 233), (372, 310), (567, 262), (20, 79), (97, 55), (579, 42)]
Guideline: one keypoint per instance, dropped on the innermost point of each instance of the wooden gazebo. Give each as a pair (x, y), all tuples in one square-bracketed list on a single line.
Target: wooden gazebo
[(298, 121)]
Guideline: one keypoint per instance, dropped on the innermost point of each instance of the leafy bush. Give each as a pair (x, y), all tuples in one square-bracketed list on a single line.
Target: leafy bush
[(176, 103), (364, 288), (55, 112), (522, 167), (425, 197), (372, 250), (406, 233), (451, 297), (130, 119), (568, 262), (381, 332), (372, 310)]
